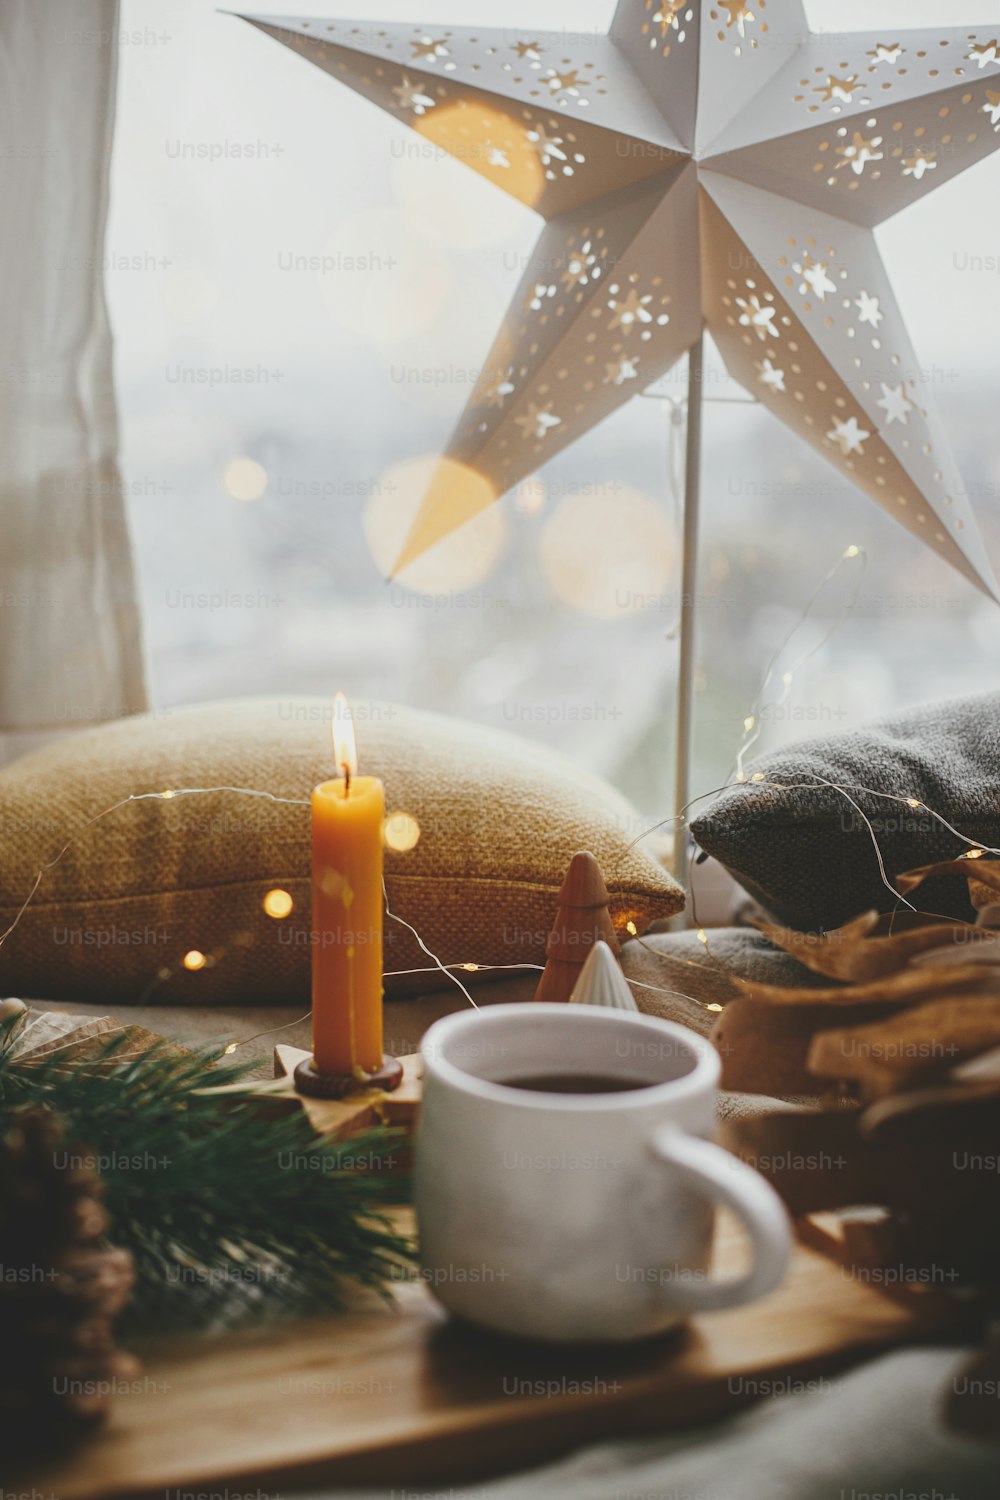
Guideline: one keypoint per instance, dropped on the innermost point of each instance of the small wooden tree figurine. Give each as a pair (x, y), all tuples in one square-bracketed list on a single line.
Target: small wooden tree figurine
[(582, 917)]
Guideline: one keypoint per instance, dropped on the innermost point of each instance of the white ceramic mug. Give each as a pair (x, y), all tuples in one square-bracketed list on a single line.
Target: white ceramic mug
[(577, 1217)]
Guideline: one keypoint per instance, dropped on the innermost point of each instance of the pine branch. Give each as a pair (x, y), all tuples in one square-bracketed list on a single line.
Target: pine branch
[(225, 1210)]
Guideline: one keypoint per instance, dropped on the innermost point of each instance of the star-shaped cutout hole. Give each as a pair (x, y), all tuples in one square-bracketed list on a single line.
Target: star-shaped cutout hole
[(849, 436), (429, 49), (537, 421), (869, 310), (771, 376), (859, 152), (895, 404)]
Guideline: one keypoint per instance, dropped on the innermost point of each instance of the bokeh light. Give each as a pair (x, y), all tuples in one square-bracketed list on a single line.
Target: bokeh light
[(278, 904), (610, 553), (462, 559), (194, 960), (401, 832), (530, 496), (245, 479), (491, 141)]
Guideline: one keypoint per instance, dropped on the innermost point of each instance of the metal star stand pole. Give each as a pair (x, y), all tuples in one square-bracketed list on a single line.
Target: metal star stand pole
[(688, 612)]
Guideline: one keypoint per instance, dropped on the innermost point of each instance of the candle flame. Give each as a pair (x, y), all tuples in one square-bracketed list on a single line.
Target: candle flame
[(345, 750)]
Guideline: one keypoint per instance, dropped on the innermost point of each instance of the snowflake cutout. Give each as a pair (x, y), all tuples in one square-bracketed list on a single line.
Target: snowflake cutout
[(530, 50), (581, 266), (537, 294), (666, 16), (860, 152), (631, 311), (992, 107), (770, 375), (919, 163), (814, 277), (754, 315), (411, 96), (983, 53), (565, 83), (537, 421), (497, 157), (738, 14), (624, 368), (895, 404), (429, 49), (886, 52), (848, 435), (499, 388), (838, 89), (869, 310), (549, 149)]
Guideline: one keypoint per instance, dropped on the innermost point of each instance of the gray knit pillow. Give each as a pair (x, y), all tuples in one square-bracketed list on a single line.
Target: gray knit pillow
[(805, 852)]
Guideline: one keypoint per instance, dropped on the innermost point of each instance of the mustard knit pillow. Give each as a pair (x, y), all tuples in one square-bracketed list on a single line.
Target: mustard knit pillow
[(111, 921)]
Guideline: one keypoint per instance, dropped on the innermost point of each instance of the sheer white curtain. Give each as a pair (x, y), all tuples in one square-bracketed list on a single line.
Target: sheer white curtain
[(70, 647)]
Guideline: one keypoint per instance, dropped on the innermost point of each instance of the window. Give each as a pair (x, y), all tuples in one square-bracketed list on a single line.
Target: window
[(302, 294)]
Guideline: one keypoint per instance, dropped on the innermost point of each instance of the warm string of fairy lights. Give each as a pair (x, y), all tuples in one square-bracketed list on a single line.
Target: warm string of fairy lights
[(752, 724), (195, 960), (278, 904)]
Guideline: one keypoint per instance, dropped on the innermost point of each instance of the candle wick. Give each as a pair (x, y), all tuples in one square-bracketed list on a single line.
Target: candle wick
[(347, 781)]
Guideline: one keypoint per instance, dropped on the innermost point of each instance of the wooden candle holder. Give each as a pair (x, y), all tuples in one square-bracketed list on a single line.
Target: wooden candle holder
[(349, 1115), (309, 1080)]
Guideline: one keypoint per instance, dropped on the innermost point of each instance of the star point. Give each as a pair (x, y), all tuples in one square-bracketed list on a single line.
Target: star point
[(737, 185)]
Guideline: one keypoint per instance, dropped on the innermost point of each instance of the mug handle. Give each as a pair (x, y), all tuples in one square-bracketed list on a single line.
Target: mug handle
[(728, 1181)]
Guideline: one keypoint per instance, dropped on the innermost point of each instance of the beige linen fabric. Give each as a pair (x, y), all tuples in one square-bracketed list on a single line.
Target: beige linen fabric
[(71, 645)]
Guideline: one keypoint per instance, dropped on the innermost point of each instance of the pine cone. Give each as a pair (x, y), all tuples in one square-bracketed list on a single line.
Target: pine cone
[(61, 1284)]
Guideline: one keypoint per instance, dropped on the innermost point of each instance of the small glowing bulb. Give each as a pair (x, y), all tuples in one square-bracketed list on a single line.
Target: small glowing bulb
[(975, 854), (470, 968), (748, 723), (194, 960), (228, 1051), (852, 551), (401, 832), (631, 929), (787, 679), (741, 776), (757, 776), (912, 802), (713, 1005), (703, 936), (278, 904), (166, 795)]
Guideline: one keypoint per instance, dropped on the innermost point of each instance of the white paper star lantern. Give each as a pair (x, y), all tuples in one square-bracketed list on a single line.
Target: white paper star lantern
[(704, 164)]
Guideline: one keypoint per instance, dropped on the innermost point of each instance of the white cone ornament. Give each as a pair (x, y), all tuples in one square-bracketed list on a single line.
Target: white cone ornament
[(602, 982)]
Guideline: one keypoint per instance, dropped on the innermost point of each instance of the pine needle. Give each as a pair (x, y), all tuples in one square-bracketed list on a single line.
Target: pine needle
[(227, 1212)]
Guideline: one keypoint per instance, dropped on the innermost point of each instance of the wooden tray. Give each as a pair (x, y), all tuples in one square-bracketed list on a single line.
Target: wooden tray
[(405, 1397)]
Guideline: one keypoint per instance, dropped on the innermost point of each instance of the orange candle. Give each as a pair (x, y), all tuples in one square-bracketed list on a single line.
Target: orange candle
[(347, 901)]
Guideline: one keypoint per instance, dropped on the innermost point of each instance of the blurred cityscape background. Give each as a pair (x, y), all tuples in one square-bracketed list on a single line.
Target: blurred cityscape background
[(302, 293)]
